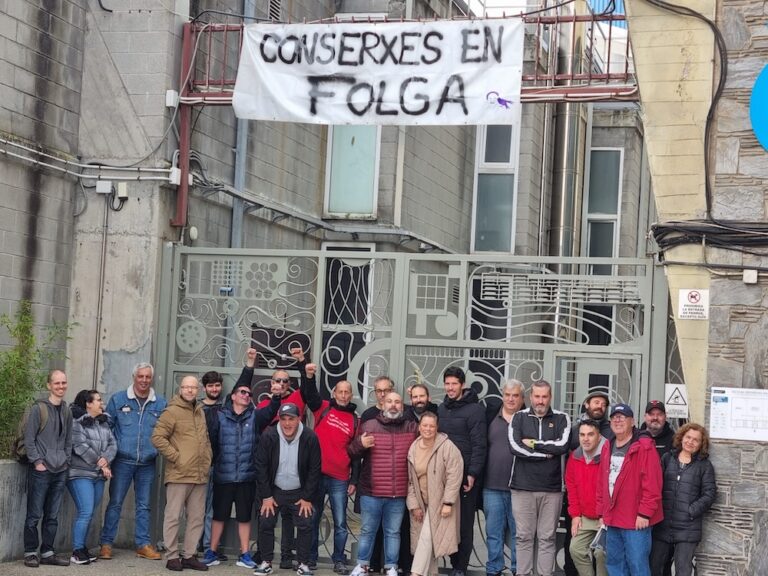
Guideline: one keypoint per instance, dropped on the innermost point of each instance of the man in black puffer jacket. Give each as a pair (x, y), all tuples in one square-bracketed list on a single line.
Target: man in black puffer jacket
[(462, 418)]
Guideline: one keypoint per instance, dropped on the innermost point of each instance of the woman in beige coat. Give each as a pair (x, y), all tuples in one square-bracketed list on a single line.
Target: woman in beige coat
[(435, 469)]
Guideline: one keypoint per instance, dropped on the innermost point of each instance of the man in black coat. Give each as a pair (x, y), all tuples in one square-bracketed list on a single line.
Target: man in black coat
[(288, 477), (462, 418)]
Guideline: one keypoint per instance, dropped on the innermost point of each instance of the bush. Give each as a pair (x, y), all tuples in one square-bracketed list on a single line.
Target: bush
[(24, 368)]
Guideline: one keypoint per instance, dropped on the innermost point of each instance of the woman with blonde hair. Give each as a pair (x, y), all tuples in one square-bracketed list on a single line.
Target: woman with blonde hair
[(435, 469), (689, 491)]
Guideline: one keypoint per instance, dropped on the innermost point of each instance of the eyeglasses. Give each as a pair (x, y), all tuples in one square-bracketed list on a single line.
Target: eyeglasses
[(281, 380), (382, 390), (194, 388), (244, 392)]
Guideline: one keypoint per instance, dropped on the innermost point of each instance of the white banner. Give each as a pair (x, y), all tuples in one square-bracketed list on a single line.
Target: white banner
[(442, 72)]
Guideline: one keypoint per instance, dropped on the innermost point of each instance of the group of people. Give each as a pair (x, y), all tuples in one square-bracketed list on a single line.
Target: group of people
[(635, 496)]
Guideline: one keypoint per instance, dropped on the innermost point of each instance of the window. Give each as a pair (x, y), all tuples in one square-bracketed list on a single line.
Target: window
[(602, 205), (275, 10), (493, 217), (352, 172)]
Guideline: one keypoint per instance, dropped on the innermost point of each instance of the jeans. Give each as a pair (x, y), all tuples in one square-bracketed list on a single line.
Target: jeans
[(337, 495), (389, 513), (86, 494), (44, 492), (142, 476), (627, 552), (499, 522), (205, 539)]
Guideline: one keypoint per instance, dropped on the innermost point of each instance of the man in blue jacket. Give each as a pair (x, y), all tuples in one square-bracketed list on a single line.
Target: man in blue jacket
[(134, 413), (235, 431)]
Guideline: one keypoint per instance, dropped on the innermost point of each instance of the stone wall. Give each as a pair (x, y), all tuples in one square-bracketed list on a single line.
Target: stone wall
[(736, 534)]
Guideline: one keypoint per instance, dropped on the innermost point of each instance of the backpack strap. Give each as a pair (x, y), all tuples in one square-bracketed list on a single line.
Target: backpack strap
[(43, 414), (355, 419)]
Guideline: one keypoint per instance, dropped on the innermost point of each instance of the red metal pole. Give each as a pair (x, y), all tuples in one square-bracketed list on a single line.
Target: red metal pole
[(185, 126)]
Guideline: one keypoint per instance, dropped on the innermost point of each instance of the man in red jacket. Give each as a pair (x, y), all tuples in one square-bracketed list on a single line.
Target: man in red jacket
[(383, 485), (581, 479), (629, 495)]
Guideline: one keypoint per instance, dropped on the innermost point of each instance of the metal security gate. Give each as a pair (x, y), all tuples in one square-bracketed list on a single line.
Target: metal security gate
[(579, 323), (364, 314)]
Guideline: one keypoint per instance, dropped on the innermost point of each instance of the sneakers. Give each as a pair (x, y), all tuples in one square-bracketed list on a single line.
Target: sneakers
[(221, 556), (105, 552), (148, 551), (304, 570), (174, 565), (360, 570), (263, 568), (392, 571), (312, 564), (192, 563), (31, 561), (245, 561), (53, 560), (211, 558), (80, 556), (340, 568)]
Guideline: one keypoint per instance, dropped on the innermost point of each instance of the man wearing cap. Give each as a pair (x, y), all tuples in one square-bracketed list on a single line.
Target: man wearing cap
[(539, 439), (628, 495), (235, 431), (657, 426), (287, 480)]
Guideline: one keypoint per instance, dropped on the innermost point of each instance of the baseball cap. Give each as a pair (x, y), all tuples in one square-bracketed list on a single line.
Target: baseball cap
[(624, 409), (655, 405), (289, 409)]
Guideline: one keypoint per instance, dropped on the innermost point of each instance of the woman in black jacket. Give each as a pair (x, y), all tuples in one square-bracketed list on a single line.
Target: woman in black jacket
[(689, 491)]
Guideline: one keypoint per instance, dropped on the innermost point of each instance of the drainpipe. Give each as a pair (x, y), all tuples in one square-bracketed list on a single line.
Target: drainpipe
[(568, 161), (241, 157), (567, 174)]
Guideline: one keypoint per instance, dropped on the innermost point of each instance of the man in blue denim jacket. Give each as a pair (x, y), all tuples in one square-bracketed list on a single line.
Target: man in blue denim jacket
[(134, 413)]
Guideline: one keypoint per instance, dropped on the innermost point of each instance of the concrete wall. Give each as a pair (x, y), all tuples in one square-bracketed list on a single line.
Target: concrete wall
[(41, 61)]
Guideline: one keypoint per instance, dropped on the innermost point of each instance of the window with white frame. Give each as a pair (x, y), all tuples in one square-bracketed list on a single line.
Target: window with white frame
[(603, 214), (352, 160), (352, 172), (493, 214)]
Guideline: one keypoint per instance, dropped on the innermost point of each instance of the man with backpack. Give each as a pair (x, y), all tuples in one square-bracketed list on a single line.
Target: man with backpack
[(48, 445), (335, 425)]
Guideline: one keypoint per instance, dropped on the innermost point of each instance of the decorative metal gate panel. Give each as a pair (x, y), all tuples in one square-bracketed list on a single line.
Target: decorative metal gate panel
[(363, 314)]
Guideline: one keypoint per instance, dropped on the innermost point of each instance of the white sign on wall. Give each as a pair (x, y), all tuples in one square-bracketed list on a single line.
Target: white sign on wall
[(739, 414), (676, 400), (693, 304), (442, 72)]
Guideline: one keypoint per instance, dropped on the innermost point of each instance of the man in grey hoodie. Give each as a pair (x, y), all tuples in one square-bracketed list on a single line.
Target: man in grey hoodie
[(48, 441)]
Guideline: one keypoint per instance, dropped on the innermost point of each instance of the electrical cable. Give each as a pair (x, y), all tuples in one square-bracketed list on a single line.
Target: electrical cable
[(740, 237)]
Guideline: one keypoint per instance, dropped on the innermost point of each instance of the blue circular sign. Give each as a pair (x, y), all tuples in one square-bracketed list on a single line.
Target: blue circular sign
[(758, 108)]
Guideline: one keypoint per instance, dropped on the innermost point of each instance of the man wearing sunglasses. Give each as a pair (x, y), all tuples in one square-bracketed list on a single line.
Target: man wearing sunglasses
[(280, 384), (234, 432)]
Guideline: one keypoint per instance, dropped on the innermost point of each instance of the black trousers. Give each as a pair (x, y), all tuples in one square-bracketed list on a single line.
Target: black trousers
[(286, 506), (468, 503), (663, 553)]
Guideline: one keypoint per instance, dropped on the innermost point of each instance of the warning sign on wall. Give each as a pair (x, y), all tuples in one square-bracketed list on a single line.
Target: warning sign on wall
[(693, 304), (676, 400)]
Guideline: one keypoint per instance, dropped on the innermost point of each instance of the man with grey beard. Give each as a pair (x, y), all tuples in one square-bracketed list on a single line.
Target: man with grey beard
[(539, 439), (383, 484)]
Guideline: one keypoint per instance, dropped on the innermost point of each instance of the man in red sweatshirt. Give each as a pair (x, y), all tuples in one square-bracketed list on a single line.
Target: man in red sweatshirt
[(581, 478)]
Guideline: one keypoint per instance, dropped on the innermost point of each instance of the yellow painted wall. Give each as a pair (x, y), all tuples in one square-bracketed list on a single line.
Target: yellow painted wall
[(674, 58)]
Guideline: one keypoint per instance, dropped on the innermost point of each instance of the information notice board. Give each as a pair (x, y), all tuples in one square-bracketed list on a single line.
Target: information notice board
[(739, 414)]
